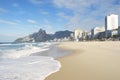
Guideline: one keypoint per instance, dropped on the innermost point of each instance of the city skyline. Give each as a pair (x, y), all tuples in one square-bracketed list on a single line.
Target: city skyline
[(19, 18)]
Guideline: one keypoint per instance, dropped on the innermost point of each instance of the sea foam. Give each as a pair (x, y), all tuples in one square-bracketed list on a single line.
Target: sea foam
[(28, 68), (23, 50), (17, 63)]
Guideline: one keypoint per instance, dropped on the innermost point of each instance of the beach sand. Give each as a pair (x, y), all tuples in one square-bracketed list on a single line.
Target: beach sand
[(89, 61)]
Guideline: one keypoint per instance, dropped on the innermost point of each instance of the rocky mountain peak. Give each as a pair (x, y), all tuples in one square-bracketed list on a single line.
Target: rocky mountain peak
[(42, 36)]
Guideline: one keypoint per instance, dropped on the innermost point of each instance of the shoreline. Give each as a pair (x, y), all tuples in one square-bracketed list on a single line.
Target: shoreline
[(53, 51), (89, 61)]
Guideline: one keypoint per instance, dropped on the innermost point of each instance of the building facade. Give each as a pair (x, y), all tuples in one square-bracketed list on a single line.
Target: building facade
[(86, 35), (111, 22), (95, 32), (119, 31), (77, 34)]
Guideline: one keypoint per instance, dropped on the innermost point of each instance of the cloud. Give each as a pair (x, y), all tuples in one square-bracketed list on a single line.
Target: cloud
[(73, 4), (8, 22), (7, 37), (2, 10), (46, 25), (18, 21), (15, 5), (87, 13), (63, 15), (36, 1), (44, 12), (31, 21), (40, 2), (73, 22), (49, 28)]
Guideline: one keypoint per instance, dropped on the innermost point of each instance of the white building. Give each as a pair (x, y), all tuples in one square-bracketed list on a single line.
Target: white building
[(119, 30), (77, 34), (111, 22), (95, 31), (86, 35)]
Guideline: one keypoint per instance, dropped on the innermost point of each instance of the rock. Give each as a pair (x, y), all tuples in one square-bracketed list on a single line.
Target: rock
[(62, 34), (42, 36)]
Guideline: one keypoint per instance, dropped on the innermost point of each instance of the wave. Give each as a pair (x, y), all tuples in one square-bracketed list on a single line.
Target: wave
[(28, 68), (17, 64), (21, 50)]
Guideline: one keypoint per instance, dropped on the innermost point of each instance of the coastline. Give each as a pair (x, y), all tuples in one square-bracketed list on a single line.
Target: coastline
[(53, 51), (19, 62), (89, 61)]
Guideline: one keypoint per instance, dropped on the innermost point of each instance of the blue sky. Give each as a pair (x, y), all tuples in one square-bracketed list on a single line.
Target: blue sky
[(22, 17)]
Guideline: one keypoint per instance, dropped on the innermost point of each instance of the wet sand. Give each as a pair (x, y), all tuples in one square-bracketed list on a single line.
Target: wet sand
[(89, 61), (53, 51)]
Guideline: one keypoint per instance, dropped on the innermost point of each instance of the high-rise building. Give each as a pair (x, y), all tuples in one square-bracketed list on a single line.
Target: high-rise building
[(119, 30), (95, 31), (111, 22), (78, 34)]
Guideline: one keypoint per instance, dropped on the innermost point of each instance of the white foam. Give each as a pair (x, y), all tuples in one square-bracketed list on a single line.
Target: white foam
[(27, 50), (17, 64), (4, 44), (28, 68), (23, 53)]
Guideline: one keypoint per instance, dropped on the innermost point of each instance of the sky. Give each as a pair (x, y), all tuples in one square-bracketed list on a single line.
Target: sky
[(19, 18)]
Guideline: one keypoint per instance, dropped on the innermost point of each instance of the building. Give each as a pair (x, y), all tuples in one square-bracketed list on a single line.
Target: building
[(101, 36), (78, 34), (96, 31), (86, 35), (119, 31), (111, 23), (114, 32), (72, 37)]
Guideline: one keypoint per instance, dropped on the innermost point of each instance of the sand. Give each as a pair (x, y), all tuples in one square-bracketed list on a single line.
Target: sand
[(89, 61), (53, 51)]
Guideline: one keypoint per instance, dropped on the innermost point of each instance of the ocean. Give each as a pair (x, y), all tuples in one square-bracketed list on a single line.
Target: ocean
[(18, 62)]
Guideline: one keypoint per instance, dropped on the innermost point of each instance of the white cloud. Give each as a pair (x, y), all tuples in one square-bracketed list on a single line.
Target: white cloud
[(2, 10), (49, 28), (36, 1), (31, 21), (40, 2), (8, 22), (73, 4), (8, 37), (46, 25), (15, 5), (63, 15), (44, 12), (73, 22), (46, 21), (18, 21), (87, 13)]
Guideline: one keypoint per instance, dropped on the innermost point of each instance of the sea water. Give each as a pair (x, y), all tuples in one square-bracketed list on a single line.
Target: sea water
[(16, 62)]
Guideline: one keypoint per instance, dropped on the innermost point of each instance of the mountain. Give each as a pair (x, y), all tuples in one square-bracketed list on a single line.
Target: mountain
[(62, 34), (42, 36)]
